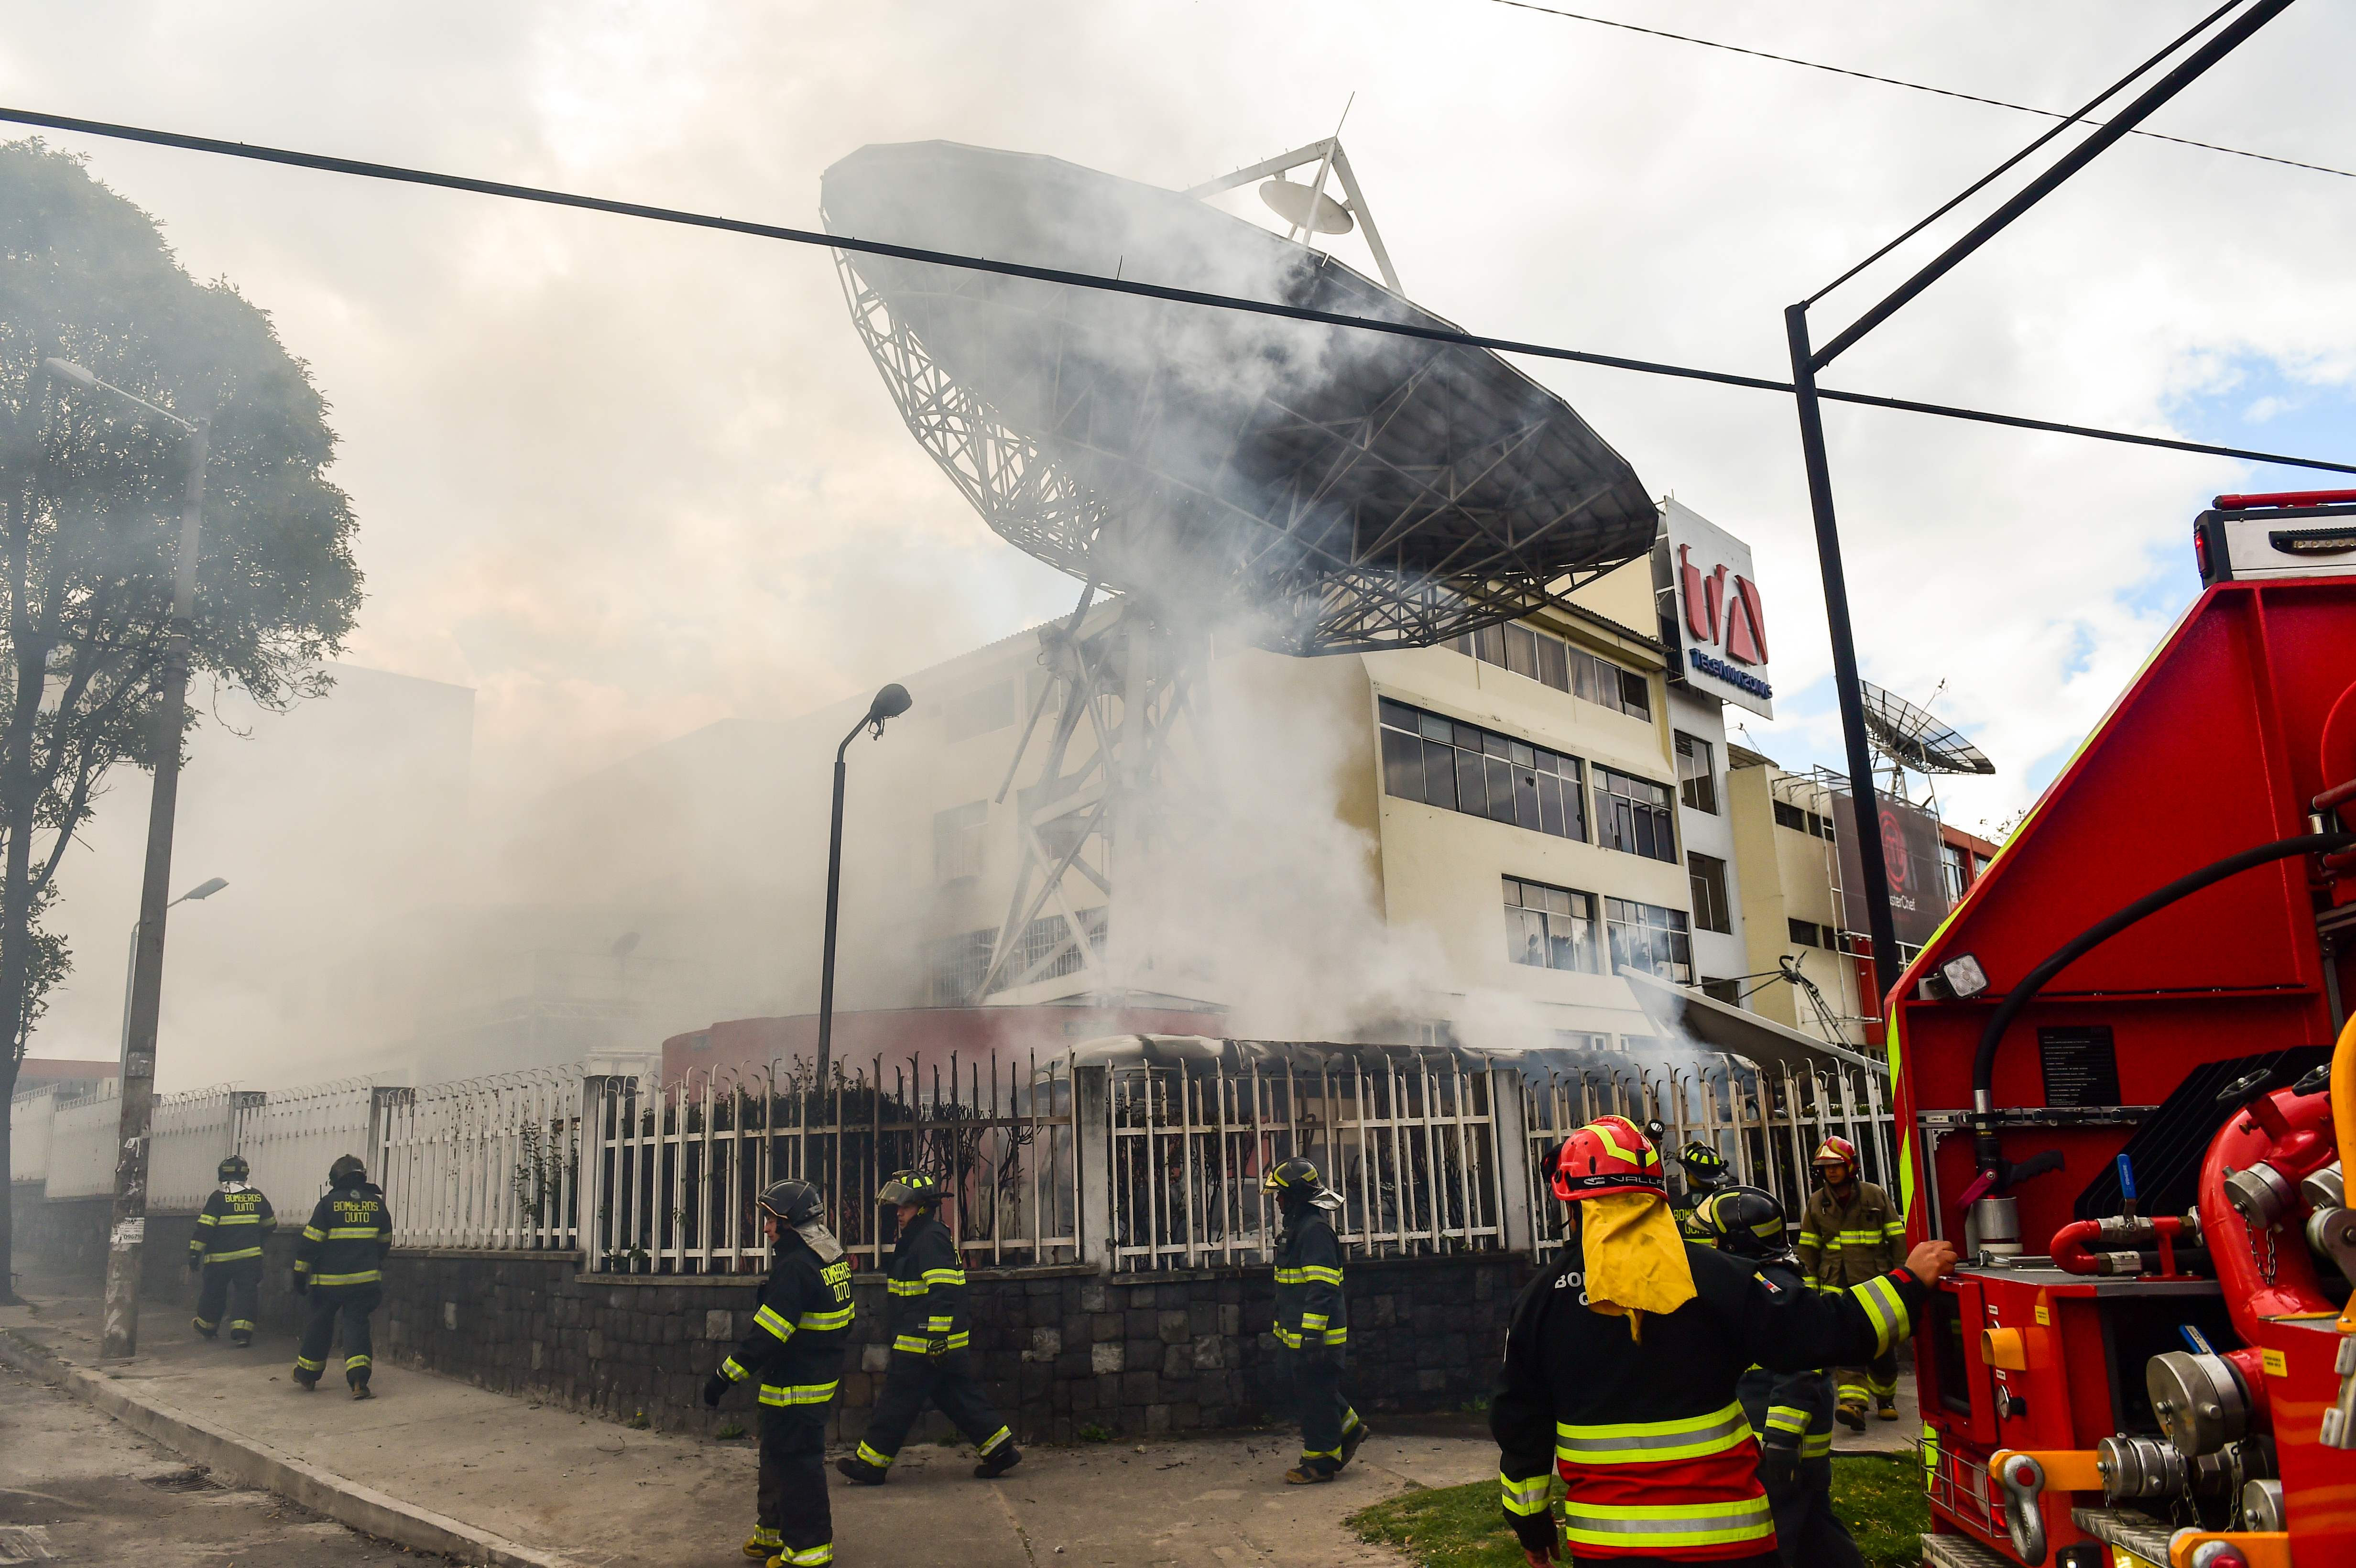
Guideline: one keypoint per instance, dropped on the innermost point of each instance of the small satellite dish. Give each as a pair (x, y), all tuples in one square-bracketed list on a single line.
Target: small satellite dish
[(625, 945), (1290, 202), (1912, 738)]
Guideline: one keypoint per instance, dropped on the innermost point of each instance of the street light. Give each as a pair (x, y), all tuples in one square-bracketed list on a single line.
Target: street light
[(127, 1235), (203, 890), (890, 703)]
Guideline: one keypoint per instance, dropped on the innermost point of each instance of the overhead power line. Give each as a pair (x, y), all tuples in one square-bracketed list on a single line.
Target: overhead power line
[(397, 173), (1901, 82)]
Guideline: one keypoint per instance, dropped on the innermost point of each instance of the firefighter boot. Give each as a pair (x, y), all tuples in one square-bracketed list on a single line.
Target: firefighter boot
[(765, 1544), (1852, 1414), (1310, 1472), (860, 1473), (1885, 1408), (997, 1461), (1359, 1432), (207, 1329)]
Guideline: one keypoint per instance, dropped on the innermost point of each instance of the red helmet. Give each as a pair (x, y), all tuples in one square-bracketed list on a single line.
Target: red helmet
[(1835, 1149), (1607, 1156)]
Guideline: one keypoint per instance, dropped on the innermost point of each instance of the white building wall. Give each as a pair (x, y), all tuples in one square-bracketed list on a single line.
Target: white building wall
[(1717, 955)]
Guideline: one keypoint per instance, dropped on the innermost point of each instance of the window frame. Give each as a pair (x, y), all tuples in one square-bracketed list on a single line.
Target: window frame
[(1584, 948), (1689, 749), (1477, 772), (1710, 898)]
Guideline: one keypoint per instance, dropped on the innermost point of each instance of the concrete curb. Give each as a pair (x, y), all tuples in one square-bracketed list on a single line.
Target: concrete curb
[(258, 1465)]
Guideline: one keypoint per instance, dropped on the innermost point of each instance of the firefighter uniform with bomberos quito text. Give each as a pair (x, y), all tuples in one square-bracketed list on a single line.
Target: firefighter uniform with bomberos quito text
[(338, 1266), (1621, 1363), (1312, 1320), (930, 1334), (1790, 1413), (1853, 1232), (227, 1250), (793, 1357)]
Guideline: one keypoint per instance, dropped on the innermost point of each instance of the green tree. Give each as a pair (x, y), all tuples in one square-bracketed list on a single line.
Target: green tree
[(90, 502)]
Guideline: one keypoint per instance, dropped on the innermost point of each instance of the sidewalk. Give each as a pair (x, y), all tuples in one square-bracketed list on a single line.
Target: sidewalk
[(545, 1486)]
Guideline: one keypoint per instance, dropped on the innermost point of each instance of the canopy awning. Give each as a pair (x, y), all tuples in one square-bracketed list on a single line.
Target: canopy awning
[(1678, 1012)]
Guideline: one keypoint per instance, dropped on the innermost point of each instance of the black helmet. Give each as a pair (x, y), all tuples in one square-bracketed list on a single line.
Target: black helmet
[(1704, 1166), (1296, 1182), (915, 1187), (233, 1168), (348, 1171), (1745, 1221), (799, 1207)]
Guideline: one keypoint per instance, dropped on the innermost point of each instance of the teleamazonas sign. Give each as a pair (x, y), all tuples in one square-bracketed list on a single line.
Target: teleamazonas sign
[(1712, 614)]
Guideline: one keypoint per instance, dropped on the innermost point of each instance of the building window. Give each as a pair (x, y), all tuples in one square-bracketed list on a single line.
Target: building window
[(1647, 937), (980, 711), (1632, 814), (1697, 773), (1808, 934), (958, 841), (1954, 870), (1711, 909), (1726, 991), (1552, 662), (957, 964), (1462, 767), (1550, 928), (1808, 822), (1579, 1039)]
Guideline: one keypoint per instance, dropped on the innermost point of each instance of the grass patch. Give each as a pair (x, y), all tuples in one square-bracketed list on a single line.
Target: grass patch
[(1880, 1498)]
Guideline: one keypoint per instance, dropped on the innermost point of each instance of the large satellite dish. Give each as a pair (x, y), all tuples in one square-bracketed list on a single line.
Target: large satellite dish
[(1912, 738), (1338, 490)]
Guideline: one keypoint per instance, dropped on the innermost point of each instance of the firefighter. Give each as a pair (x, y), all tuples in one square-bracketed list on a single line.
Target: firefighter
[(1791, 1413), (227, 1250), (1705, 1173), (930, 1338), (1853, 1233), (796, 1351), (1621, 1362), (337, 1266), (1313, 1320)]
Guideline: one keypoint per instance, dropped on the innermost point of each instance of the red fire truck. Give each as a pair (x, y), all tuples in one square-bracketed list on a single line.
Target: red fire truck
[(2124, 1074)]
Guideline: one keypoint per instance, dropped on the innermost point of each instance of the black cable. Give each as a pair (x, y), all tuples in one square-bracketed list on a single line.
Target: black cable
[(2069, 952), (1447, 334), (1990, 177), (1911, 86)]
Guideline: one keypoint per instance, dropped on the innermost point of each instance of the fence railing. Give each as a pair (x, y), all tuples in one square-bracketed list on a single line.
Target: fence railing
[(192, 1132), (673, 1178), (1411, 1144), (32, 1114), (1766, 1121), (490, 1162), (84, 1132), (292, 1136)]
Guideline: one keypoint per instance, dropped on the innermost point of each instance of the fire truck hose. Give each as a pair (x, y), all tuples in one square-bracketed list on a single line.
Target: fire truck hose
[(2116, 1245), (1986, 1152)]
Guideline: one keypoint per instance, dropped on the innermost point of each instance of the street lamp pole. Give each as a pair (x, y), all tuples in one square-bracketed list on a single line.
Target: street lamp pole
[(890, 703), (127, 1235), (203, 890)]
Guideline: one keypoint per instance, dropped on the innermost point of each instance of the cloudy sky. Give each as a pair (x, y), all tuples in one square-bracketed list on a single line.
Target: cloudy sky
[(622, 479)]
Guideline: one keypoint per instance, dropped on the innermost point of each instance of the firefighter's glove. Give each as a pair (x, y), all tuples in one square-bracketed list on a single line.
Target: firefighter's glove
[(714, 1387), (196, 1263), (302, 1283), (938, 1345), (1779, 1467)]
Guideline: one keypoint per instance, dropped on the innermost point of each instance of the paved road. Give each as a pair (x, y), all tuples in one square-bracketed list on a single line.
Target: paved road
[(77, 1487)]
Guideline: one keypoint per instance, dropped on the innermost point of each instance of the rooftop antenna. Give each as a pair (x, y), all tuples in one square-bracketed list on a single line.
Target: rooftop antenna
[(1913, 739)]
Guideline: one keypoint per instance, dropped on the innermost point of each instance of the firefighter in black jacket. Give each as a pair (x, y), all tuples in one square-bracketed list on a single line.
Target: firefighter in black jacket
[(1705, 1173), (1790, 1412), (1313, 1320), (227, 1247), (336, 1265), (930, 1338), (796, 1351), (1621, 1362)]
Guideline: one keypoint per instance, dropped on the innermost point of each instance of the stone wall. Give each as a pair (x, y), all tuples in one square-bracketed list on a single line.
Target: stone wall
[(1061, 1350)]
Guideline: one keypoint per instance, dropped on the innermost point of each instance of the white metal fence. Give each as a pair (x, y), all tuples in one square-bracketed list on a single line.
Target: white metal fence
[(82, 1132), (193, 1133), (1409, 1141), (1766, 1123), (292, 1136), (488, 1162), (32, 1115), (671, 1178)]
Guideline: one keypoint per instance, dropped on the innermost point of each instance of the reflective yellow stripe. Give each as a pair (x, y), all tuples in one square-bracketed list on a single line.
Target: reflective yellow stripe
[(796, 1394), (302, 1266), (909, 1288), (1287, 1338), (1652, 1441), (838, 1318), (1786, 1418), (351, 1362), (960, 1340), (1667, 1526), (247, 1219), (811, 1556), (992, 1441), (1337, 1336), (207, 1219), (944, 1277), (1525, 1498), (915, 1343), (1816, 1446), (1310, 1320), (233, 1257), (305, 1364), (873, 1457), (1887, 1306), (733, 1371), (207, 1325), (313, 1233), (1317, 1274), (353, 1234), (774, 1322), (370, 1277)]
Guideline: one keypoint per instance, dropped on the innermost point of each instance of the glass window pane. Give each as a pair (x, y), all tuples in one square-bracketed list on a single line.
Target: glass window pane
[(1574, 808), (1635, 697), (1501, 789), (1472, 784), (1550, 804), (1527, 933), (1646, 846), (1526, 800), (1557, 900), (1433, 726), (1521, 753), (1496, 745), (1439, 774), (1561, 952), (1513, 892), (1522, 651), (1398, 715), (1554, 667), (1491, 643), (1402, 765)]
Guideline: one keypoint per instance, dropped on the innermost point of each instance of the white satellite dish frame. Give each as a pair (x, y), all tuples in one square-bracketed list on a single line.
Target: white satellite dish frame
[(1328, 157)]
